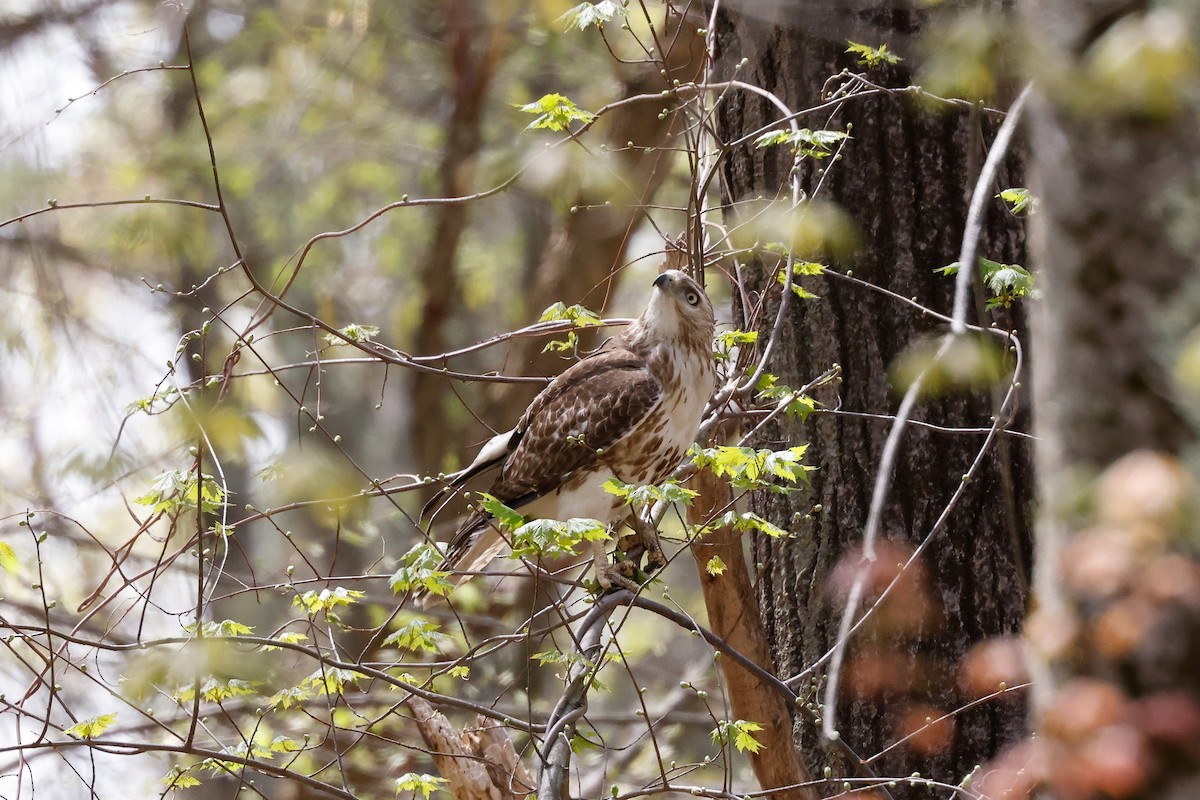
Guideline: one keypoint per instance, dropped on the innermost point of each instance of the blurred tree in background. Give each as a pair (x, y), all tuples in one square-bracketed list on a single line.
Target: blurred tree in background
[(272, 269)]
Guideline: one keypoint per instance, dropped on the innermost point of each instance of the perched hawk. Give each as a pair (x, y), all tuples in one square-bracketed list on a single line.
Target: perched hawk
[(628, 411)]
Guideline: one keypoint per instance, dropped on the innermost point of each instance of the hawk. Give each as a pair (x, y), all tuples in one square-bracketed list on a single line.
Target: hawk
[(628, 411)]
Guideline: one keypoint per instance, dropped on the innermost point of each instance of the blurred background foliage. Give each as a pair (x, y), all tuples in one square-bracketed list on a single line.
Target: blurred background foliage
[(123, 323), (120, 317), (320, 114)]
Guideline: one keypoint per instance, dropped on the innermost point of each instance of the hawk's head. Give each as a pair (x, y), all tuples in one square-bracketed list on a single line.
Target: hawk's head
[(678, 308)]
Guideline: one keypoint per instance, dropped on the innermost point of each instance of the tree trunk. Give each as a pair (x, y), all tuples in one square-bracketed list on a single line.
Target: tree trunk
[(905, 179), (474, 47), (1118, 620), (733, 615)]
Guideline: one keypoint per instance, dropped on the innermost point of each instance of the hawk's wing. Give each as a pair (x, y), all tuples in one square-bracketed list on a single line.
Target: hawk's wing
[(584, 411)]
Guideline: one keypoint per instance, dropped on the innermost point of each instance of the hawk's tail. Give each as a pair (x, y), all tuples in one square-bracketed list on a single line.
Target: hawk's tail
[(473, 547), (492, 454)]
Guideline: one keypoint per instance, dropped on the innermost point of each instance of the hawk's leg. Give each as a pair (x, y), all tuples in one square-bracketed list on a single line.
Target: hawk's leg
[(627, 564), (642, 542), (609, 574)]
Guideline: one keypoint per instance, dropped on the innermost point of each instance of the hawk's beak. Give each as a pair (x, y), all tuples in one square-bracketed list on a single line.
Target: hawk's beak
[(661, 281)]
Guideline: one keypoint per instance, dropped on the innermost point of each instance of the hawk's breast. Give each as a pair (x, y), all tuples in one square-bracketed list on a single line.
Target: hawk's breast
[(656, 446)]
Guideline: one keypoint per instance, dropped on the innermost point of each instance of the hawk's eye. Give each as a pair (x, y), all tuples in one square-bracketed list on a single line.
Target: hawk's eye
[(692, 298)]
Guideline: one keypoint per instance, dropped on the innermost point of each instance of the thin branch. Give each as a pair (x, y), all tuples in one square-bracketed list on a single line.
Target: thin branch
[(119, 747), (575, 697), (983, 189), (958, 327), (145, 201)]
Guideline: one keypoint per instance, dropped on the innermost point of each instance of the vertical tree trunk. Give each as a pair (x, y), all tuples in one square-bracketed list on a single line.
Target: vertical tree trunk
[(473, 49), (905, 179), (1117, 167)]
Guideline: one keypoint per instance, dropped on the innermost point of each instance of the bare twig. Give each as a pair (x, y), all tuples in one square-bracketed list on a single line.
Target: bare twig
[(958, 328)]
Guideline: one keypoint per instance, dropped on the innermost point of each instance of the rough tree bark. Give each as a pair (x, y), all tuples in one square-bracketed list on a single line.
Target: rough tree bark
[(905, 180), (1116, 138), (479, 763)]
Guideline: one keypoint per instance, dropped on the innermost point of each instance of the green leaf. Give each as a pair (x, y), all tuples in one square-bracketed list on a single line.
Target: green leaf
[(179, 490), (814, 144), (868, 56), (797, 289), (562, 345), (559, 657), (419, 783), (326, 600), (715, 566), (551, 657), (556, 538), (158, 402), (220, 766), (772, 138), (740, 732), (580, 744), (555, 112), (91, 728), (418, 636), (786, 463), (286, 698), (1012, 278), (1007, 283), (178, 778), (745, 521), (286, 638), (215, 690), (744, 739), (726, 341), (460, 672), (1021, 201), (248, 750), (283, 744), (226, 627), (748, 468), (798, 405), (508, 519), (8, 558), (748, 520), (331, 680), (801, 267), (353, 332), (670, 491), (577, 315), (419, 569), (585, 15)]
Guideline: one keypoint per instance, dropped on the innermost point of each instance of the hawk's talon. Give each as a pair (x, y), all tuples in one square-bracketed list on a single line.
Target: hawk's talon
[(643, 542), (611, 576), (655, 559), (627, 569)]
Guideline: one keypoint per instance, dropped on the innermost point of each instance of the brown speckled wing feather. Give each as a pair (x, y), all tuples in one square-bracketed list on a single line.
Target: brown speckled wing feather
[(588, 408)]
